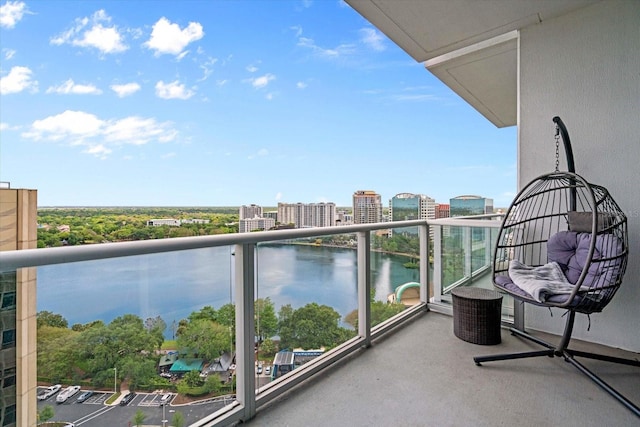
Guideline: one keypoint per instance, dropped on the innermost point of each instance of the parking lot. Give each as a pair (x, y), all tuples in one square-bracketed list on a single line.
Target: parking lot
[(95, 412)]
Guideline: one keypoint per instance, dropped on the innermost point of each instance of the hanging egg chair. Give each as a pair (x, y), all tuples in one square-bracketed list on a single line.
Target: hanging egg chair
[(563, 244)]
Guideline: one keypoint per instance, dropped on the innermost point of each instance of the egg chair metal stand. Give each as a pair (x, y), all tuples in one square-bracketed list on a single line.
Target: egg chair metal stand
[(562, 244)]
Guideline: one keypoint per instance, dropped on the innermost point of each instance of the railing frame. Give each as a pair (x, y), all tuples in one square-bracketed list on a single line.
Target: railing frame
[(248, 400)]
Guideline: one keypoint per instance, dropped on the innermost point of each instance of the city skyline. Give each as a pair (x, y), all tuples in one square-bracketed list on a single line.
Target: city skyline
[(229, 103)]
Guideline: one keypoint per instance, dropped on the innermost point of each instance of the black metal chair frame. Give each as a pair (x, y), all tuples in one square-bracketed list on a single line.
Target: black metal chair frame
[(572, 304)]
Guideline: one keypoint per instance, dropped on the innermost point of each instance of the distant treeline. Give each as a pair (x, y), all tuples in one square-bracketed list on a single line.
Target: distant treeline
[(60, 226)]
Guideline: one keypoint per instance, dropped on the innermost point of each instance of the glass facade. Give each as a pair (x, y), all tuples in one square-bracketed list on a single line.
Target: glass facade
[(8, 349)]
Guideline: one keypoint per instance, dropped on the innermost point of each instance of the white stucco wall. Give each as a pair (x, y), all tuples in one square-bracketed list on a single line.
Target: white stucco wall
[(585, 68)]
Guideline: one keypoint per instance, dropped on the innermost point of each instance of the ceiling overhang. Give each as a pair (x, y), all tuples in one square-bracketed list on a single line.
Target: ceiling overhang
[(470, 45)]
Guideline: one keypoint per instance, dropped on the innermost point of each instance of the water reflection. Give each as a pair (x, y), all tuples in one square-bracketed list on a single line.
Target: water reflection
[(173, 285)]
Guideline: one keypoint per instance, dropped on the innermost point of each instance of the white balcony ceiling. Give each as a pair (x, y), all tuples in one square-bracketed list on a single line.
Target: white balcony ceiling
[(471, 45)]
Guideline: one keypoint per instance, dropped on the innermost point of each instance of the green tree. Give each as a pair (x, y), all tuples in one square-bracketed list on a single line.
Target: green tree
[(156, 327), (138, 370), (192, 379), (177, 420), (213, 384), (51, 319), (207, 312), (57, 352), (46, 414), (139, 417), (204, 338), (268, 347), (286, 326), (227, 315), (315, 326), (265, 317)]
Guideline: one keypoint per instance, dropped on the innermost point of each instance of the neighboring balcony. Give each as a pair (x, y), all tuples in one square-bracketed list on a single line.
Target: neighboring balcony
[(408, 369)]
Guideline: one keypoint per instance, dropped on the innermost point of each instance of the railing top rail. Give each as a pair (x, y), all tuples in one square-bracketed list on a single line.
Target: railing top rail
[(11, 260)]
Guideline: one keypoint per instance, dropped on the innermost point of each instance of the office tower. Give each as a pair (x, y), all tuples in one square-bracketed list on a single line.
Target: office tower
[(367, 207), (408, 206), (18, 369), (470, 205), (250, 211)]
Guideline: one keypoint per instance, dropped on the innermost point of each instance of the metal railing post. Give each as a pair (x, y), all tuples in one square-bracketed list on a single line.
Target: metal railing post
[(364, 286), (245, 328), (423, 235), (437, 264)]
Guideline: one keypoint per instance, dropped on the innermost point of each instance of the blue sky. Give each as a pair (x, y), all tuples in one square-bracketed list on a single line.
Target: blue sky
[(225, 103)]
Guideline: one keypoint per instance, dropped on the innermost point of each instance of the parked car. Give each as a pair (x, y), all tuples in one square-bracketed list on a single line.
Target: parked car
[(165, 399), (267, 370), (84, 396), (49, 391), (67, 393), (127, 399), (259, 369)]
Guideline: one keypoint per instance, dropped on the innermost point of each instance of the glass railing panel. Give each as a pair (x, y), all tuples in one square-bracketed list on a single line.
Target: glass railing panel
[(307, 294), (159, 326), (395, 271), (467, 260)]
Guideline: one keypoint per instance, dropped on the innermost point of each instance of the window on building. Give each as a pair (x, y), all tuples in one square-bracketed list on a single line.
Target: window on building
[(9, 338), (9, 416), (8, 300)]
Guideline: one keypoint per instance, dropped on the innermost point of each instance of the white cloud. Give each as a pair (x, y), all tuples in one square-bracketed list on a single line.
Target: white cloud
[(372, 38), (18, 79), (125, 89), (90, 32), (137, 131), (69, 87), (262, 81), (260, 153), (173, 90), (97, 136), (207, 68), (297, 29), (339, 51), (72, 125), (301, 85), (278, 196), (8, 53), (11, 13), (169, 38), (252, 68)]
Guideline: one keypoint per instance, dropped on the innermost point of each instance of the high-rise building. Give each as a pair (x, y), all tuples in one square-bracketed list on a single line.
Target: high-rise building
[(344, 218), (247, 225), (442, 210), (18, 369), (408, 206), (303, 215), (470, 205), (367, 207), (250, 211)]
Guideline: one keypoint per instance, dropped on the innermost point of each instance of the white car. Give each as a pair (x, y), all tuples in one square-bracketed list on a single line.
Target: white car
[(49, 391), (67, 393)]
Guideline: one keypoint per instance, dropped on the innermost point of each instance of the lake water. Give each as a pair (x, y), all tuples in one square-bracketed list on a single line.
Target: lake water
[(173, 285)]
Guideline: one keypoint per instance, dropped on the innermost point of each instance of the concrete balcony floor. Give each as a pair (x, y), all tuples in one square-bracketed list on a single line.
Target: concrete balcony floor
[(423, 375)]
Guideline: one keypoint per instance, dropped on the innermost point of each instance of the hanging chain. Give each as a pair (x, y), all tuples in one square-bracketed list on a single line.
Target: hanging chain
[(557, 148)]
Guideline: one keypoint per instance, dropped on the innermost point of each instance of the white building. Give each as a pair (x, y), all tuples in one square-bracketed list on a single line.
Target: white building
[(247, 225), (250, 211), (303, 215)]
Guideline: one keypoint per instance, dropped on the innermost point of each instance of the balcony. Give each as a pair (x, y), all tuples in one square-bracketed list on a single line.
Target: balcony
[(407, 370)]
